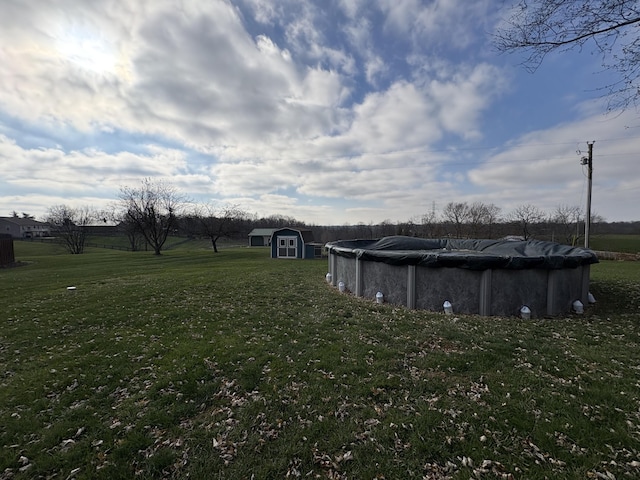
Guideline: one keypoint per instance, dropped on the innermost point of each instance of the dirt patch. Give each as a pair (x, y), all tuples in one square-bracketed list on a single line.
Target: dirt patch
[(627, 257)]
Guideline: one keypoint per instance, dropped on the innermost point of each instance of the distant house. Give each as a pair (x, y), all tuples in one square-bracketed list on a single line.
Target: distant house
[(294, 243), (261, 237), (24, 227)]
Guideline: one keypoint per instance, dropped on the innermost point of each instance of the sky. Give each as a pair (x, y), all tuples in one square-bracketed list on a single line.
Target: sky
[(329, 111)]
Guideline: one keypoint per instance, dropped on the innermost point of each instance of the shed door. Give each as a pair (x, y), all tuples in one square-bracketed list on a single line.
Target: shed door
[(287, 247)]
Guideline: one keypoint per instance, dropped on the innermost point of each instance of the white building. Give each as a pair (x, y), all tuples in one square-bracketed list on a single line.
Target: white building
[(24, 227)]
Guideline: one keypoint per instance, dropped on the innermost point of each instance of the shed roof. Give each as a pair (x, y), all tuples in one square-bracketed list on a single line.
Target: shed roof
[(306, 234), (23, 222), (262, 232)]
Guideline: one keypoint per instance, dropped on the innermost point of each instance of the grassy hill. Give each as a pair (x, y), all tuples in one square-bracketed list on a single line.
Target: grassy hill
[(234, 365)]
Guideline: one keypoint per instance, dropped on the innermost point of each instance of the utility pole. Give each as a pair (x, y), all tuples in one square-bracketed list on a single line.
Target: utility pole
[(588, 161)]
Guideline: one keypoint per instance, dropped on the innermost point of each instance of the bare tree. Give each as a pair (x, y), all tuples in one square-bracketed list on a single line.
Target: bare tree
[(596, 221), (70, 224), (427, 224), (281, 221), (482, 217), (153, 209), (526, 216), (215, 222), (539, 27), (363, 230), (125, 225), (567, 219), (456, 214), (492, 217), (385, 228)]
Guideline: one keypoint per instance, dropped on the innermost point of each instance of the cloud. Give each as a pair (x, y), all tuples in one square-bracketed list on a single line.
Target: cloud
[(545, 165), (60, 68), (179, 76), (266, 205), (196, 77), (441, 23), (86, 171), (377, 155)]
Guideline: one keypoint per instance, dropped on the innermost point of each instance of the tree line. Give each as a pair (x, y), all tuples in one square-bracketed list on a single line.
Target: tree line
[(148, 214), (565, 224), (152, 211)]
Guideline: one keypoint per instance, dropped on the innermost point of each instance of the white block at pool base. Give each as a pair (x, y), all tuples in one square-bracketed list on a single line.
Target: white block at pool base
[(341, 286), (591, 298), (578, 307), (328, 277), (379, 297), (448, 308), (525, 312)]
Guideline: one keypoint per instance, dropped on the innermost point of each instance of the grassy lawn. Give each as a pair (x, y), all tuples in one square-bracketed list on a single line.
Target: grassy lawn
[(120, 242), (234, 365), (616, 243)]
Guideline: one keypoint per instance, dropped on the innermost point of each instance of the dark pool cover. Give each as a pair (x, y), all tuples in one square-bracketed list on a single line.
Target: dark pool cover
[(470, 254)]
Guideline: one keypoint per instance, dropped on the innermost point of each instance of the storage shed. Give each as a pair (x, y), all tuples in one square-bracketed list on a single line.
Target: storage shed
[(261, 237), (294, 243)]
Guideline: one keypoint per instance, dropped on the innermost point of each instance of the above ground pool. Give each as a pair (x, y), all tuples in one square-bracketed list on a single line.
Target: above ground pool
[(485, 277)]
